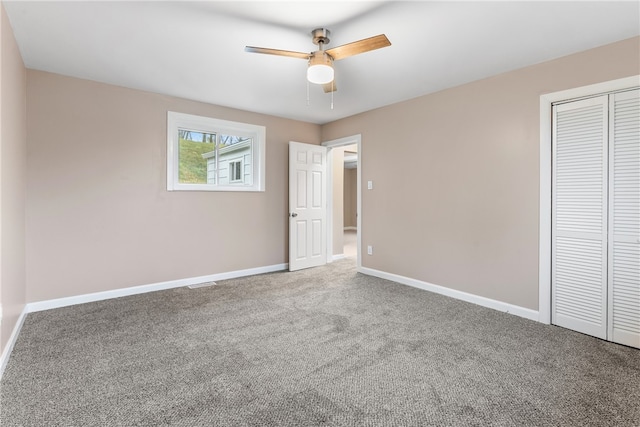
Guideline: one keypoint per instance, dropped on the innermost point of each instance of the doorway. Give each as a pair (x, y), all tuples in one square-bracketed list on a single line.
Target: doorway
[(344, 225), (349, 199)]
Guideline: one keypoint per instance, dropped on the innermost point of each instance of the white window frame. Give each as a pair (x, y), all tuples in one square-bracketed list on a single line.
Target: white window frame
[(203, 124)]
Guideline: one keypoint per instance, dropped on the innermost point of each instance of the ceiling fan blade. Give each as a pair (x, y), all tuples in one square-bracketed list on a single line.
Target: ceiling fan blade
[(361, 46), (330, 87), (279, 52)]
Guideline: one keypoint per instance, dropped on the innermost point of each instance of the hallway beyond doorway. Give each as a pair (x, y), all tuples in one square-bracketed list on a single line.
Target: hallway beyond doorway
[(350, 243)]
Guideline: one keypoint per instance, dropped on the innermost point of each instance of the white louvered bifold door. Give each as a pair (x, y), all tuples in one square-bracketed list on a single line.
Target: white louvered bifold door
[(624, 218), (579, 215)]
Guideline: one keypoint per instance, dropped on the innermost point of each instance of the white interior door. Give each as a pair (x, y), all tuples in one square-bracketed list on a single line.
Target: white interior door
[(579, 216), (624, 218), (307, 205)]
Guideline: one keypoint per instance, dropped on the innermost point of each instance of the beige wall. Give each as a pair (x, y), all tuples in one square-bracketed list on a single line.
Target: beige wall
[(459, 207), (350, 197), (13, 155), (99, 216)]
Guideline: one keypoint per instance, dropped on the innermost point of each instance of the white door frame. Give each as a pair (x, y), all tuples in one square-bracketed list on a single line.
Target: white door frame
[(544, 231), (341, 142)]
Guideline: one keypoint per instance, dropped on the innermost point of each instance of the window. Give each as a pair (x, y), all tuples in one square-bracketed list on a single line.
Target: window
[(206, 154), (235, 171)]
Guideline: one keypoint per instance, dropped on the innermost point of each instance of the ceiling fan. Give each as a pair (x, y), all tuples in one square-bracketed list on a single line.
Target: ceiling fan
[(320, 70)]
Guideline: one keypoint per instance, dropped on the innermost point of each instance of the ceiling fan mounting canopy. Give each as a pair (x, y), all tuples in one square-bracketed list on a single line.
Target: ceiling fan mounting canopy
[(322, 60), (321, 36)]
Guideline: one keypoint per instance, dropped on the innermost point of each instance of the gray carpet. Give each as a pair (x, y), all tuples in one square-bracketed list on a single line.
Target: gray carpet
[(325, 346)]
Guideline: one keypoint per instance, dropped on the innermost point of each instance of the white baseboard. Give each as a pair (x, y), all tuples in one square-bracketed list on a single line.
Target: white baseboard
[(338, 256), (475, 299), (116, 293), (350, 228), (4, 358)]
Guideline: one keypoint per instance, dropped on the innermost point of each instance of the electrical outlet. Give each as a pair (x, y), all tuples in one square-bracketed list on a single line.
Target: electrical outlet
[(370, 250), (370, 185)]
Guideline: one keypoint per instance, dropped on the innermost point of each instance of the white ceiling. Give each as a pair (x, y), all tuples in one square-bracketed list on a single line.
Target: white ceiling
[(195, 50)]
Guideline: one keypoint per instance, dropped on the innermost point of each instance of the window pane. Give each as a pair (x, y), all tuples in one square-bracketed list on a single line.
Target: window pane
[(195, 150), (234, 171)]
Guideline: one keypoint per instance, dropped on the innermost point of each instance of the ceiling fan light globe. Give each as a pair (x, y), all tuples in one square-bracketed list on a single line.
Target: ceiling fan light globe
[(320, 74)]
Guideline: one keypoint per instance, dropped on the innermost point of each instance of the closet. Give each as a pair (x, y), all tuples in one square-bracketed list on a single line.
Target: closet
[(595, 273)]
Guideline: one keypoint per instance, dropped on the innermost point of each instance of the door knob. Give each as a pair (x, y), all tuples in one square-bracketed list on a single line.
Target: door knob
[(294, 215)]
